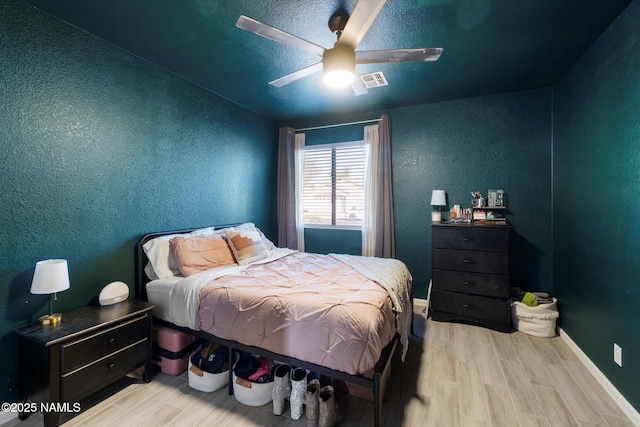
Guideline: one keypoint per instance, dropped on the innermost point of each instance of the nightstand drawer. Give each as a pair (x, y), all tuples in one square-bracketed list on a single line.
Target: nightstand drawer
[(492, 285), (471, 239), (473, 261), (472, 306), (85, 350), (95, 375)]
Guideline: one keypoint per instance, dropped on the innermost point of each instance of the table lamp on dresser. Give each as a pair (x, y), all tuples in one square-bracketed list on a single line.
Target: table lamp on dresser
[(51, 276), (438, 199)]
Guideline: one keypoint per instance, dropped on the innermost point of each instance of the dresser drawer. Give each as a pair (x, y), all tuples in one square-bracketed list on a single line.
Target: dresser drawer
[(103, 371), (471, 283), (472, 306), (85, 350), (471, 261), (473, 239)]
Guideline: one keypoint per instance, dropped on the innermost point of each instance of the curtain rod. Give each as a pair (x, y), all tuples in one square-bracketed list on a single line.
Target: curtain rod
[(336, 125)]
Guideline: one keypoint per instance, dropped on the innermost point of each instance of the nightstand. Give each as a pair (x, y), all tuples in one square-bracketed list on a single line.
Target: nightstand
[(91, 348)]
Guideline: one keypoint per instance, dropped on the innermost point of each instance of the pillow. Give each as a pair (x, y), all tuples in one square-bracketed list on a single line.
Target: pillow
[(150, 272), (161, 258), (247, 246), (194, 254), (164, 263)]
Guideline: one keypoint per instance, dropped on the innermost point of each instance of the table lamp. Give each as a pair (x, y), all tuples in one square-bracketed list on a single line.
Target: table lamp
[(438, 198), (50, 276)]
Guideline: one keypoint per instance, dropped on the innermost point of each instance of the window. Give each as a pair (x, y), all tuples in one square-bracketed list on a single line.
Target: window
[(333, 184)]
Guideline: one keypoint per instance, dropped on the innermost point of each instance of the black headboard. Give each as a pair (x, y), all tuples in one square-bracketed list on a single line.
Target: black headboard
[(141, 259)]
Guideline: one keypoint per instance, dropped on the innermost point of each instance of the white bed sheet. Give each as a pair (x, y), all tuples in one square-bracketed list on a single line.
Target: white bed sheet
[(159, 293)]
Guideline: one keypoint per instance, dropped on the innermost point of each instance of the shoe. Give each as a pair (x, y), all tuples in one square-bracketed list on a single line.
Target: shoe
[(298, 392), (327, 405), (311, 411), (281, 387)]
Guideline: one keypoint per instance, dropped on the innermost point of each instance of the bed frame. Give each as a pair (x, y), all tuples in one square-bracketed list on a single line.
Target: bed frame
[(374, 383)]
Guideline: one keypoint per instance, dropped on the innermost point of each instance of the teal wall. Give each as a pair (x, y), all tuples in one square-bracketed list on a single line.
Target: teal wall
[(501, 141), (98, 147), (326, 241), (596, 196)]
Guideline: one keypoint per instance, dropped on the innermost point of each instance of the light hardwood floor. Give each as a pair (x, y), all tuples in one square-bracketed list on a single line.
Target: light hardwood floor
[(453, 375)]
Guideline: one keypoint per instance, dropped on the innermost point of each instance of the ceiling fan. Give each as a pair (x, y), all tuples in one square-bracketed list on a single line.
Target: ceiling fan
[(338, 63)]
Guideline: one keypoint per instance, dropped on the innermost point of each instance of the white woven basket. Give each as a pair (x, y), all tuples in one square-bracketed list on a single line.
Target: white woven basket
[(539, 321)]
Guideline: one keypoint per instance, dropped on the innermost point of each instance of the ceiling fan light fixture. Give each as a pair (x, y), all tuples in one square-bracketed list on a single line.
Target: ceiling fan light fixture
[(339, 66), (338, 78)]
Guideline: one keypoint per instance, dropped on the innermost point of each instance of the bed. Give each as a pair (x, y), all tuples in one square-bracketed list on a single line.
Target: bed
[(338, 315)]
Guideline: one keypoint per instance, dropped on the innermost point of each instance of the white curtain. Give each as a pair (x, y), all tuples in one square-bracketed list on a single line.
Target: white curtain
[(378, 237), (371, 152), (299, 181)]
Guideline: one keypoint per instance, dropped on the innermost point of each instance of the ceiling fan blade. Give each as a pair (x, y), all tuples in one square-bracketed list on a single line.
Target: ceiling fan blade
[(289, 78), (398, 55), (358, 87), (359, 22), (272, 33)]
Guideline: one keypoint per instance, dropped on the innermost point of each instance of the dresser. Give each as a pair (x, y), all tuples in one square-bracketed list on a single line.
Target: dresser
[(471, 274), (89, 349)]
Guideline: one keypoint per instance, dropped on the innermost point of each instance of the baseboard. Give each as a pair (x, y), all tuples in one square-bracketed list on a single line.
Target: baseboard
[(5, 417), (611, 390), (420, 301)]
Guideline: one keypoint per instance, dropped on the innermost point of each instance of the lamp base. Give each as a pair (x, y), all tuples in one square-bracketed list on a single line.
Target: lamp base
[(50, 319), (436, 216)]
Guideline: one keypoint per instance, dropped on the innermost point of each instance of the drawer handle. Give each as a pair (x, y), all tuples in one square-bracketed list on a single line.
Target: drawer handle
[(112, 340), (468, 261), (468, 283), (112, 365), (469, 306), (468, 239)]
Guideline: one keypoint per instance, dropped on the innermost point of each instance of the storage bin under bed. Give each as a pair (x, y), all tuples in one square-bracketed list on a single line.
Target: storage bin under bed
[(171, 349)]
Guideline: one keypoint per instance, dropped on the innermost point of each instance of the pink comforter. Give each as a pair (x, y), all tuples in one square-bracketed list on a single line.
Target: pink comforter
[(308, 306)]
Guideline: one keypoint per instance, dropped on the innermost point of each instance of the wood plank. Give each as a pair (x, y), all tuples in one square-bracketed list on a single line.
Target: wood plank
[(472, 393), (578, 402), (527, 420), (601, 400), (446, 406), (546, 351), (532, 365), (501, 410), (489, 365), (554, 407), (503, 345), (524, 398)]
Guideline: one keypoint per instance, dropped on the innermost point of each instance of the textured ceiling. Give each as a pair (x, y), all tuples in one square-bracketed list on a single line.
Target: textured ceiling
[(490, 46)]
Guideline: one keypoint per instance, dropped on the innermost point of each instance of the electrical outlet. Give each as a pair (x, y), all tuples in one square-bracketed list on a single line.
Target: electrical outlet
[(617, 354)]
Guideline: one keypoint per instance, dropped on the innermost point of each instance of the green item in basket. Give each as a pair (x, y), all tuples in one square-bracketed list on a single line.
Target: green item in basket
[(530, 299)]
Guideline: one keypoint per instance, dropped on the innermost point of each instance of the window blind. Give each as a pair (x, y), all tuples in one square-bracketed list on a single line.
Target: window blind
[(333, 184)]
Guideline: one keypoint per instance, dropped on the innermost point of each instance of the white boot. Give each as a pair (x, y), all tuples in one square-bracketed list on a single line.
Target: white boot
[(311, 411), (281, 388), (298, 392), (327, 401)]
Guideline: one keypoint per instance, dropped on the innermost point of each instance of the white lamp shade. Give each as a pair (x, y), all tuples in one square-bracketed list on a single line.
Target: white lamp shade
[(339, 66), (51, 276), (438, 198)]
